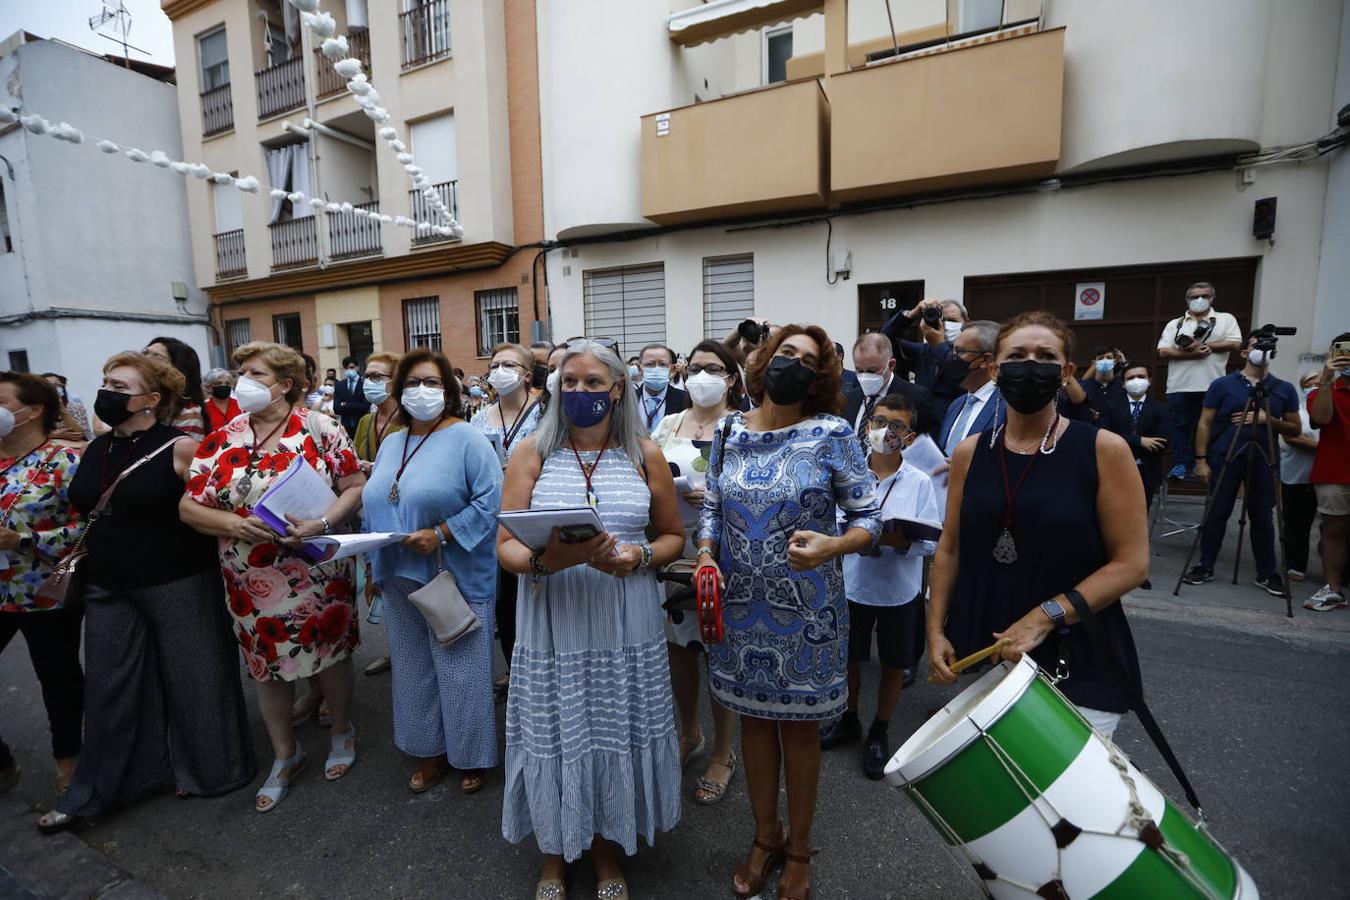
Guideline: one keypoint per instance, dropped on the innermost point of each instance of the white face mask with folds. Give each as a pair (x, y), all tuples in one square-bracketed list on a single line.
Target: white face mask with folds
[(706, 389), (424, 403), (1136, 387)]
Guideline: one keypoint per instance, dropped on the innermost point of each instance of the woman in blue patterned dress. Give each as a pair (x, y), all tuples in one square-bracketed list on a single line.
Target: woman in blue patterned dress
[(591, 750), (776, 477)]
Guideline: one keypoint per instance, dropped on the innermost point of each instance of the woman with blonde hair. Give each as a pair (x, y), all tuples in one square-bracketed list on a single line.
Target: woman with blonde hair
[(162, 695), (293, 620)]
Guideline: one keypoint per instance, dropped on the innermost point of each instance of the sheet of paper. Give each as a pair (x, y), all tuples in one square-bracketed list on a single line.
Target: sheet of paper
[(300, 491), (683, 485), (532, 526), (925, 456), (355, 544)]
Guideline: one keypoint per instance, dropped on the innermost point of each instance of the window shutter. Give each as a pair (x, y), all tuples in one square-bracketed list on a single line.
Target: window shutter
[(422, 322), (728, 293), (627, 304)]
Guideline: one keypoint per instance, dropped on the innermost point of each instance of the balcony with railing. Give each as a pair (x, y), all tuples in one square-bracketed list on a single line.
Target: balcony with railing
[(761, 151), (421, 211), (217, 111), (350, 237), (426, 32), (230, 262), (330, 82), (295, 243), (281, 88)]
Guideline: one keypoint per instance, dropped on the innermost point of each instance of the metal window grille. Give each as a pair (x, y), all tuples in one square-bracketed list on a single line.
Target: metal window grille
[(422, 322), (728, 293), (286, 330), (498, 318), (627, 304), (238, 332)]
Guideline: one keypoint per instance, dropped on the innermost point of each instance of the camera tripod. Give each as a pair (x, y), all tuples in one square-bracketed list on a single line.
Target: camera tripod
[(1259, 400)]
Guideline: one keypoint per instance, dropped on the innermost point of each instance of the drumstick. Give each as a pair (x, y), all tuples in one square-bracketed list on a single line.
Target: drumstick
[(978, 656)]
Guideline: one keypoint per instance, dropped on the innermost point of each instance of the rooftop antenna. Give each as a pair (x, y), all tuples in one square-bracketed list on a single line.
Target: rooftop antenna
[(120, 21)]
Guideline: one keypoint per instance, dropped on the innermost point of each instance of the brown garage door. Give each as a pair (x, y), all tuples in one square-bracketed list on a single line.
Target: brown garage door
[(1140, 300)]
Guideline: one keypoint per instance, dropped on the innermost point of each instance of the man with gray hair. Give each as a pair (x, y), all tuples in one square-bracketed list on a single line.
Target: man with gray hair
[(981, 406), (874, 363)]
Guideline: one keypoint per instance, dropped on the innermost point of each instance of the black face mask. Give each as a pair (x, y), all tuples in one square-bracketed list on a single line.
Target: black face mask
[(220, 391), (1029, 386), (539, 375), (954, 368), (788, 381), (111, 407)]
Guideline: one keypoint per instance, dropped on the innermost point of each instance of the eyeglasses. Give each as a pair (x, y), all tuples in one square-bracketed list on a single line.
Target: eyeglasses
[(894, 427), (711, 370), (506, 365), (963, 351), (376, 377), (434, 383)]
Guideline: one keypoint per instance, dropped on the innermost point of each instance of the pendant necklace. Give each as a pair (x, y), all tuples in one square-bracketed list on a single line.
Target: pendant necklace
[(587, 472), (1005, 548), (700, 427), (406, 458)]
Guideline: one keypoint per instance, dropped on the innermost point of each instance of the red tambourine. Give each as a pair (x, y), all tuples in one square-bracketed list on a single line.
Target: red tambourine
[(708, 590)]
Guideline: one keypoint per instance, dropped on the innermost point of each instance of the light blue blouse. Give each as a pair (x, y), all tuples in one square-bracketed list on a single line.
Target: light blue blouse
[(456, 478)]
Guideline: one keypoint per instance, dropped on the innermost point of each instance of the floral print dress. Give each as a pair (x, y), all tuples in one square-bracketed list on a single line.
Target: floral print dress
[(33, 502), (292, 621)]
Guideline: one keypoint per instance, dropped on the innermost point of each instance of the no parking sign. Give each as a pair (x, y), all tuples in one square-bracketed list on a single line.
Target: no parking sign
[(1089, 300)]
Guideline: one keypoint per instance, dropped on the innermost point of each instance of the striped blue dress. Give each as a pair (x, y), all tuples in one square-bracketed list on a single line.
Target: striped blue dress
[(590, 726)]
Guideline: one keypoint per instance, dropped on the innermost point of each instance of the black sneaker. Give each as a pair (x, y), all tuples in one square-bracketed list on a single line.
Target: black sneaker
[(1198, 575), (1271, 584), (875, 753), (844, 730)]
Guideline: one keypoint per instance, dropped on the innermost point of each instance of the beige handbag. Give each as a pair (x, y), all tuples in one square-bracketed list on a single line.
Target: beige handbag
[(445, 609)]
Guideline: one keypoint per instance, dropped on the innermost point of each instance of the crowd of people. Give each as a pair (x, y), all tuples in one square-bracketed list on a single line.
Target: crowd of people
[(760, 457)]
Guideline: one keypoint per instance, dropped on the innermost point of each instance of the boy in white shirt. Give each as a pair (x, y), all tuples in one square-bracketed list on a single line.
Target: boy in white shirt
[(885, 587)]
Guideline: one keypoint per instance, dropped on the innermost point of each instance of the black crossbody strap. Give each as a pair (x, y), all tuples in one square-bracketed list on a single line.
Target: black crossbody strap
[(1132, 692)]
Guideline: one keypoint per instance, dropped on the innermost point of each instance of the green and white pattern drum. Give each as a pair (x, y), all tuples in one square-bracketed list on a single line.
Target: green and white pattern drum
[(1042, 806)]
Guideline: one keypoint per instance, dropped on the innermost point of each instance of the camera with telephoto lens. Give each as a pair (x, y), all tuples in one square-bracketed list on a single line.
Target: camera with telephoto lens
[(1267, 336), (1202, 330), (753, 332), (932, 316)]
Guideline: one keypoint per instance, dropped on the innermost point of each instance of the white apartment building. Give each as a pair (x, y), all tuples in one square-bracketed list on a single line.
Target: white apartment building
[(94, 250), (813, 161)]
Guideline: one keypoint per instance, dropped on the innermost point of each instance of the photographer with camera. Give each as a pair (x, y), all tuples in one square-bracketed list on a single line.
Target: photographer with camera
[(1329, 410), (1227, 461), (935, 368), (1196, 346), (746, 337)]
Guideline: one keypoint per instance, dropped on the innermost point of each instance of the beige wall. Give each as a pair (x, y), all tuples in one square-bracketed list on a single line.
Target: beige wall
[(340, 307)]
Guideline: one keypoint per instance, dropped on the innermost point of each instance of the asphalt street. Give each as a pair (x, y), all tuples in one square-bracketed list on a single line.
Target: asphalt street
[(1258, 718)]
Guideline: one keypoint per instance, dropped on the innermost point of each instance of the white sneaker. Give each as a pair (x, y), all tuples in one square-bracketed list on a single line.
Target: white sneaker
[(1325, 600), (1294, 575)]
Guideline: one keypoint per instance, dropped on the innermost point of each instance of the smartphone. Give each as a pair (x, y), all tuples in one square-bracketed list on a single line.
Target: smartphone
[(576, 534), (1340, 348)]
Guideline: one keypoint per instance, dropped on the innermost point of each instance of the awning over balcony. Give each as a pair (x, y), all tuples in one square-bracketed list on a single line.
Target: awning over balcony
[(709, 21)]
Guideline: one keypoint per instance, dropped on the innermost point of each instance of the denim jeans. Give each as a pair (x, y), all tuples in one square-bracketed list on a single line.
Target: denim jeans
[(1225, 480), (1185, 409)]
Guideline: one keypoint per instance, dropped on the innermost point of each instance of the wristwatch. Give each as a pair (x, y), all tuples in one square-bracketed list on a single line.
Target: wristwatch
[(1055, 610), (327, 526)]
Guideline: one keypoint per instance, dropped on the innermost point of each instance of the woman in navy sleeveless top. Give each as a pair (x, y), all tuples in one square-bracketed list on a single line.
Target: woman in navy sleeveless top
[(1041, 506)]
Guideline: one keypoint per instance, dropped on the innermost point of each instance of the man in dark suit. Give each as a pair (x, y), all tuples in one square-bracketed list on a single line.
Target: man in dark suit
[(981, 406), (1143, 423), (657, 398), (349, 396)]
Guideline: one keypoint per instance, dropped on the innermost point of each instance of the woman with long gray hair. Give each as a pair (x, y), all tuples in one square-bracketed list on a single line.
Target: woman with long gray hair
[(591, 750)]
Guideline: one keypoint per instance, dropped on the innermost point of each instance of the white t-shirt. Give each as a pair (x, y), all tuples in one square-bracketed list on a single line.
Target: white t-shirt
[(1296, 462), (1195, 375)]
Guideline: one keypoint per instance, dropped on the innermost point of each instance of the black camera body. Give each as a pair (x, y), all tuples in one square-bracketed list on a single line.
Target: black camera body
[(753, 332), (932, 316), (1268, 335), (1202, 331)]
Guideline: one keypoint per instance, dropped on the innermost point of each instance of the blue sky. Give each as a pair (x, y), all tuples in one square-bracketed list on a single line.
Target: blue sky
[(69, 20)]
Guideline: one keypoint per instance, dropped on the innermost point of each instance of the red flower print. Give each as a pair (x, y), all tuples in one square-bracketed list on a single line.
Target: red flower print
[(246, 641), (266, 649), (338, 589), (9, 500), (197, 483), (243, 512), (233, 457), (211, 445), (7, 575), (293, 426), (257, 666), (241, 604), (220, 477), (262, 555), (40, 477), (333, 622), (309, 632), (270, 628)]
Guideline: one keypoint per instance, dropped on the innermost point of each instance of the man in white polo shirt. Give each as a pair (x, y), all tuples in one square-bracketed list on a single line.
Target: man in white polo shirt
[(1196, 345)]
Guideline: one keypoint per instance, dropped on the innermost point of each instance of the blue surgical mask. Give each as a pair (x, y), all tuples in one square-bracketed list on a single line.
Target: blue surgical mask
[(1106, 366), (655, 378), (476, 392), (586, 408), (376, 391)]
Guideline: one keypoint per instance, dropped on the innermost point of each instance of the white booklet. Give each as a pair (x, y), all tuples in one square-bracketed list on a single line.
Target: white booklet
[(683, 485), (925, 456), (354, 544), (532, 526), (300, 492)]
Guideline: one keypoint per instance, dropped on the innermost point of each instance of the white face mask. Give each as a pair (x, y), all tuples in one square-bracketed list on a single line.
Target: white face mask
[(1198, 305), (871, 383), (1258, 358), (552, 381), (881, 440), (7, 423), (952, 330), (424, 403), (252, 396), (1136, 387), (706, 389), (505, 380)]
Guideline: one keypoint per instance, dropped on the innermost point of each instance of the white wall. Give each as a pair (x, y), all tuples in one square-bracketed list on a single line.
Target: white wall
[(1333, 274), (346, 172), (1155, 221)]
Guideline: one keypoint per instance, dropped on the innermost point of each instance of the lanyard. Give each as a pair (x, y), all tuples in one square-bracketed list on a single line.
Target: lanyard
[(591, 500)]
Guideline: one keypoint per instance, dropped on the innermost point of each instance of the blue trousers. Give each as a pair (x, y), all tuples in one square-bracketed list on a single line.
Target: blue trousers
[(1225, 480), (1185, 409)]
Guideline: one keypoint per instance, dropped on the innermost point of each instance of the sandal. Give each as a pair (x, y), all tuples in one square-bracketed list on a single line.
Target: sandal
[(802, 860), (699, 748), (341, 752), (708, 791), (277, 785), (375, 667), (54, 821), (612, 889), (754, 881), (424, 779), (550, 889), (472, 781)]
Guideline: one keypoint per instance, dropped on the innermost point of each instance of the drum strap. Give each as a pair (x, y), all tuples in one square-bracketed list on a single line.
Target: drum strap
[(1133, 694)]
